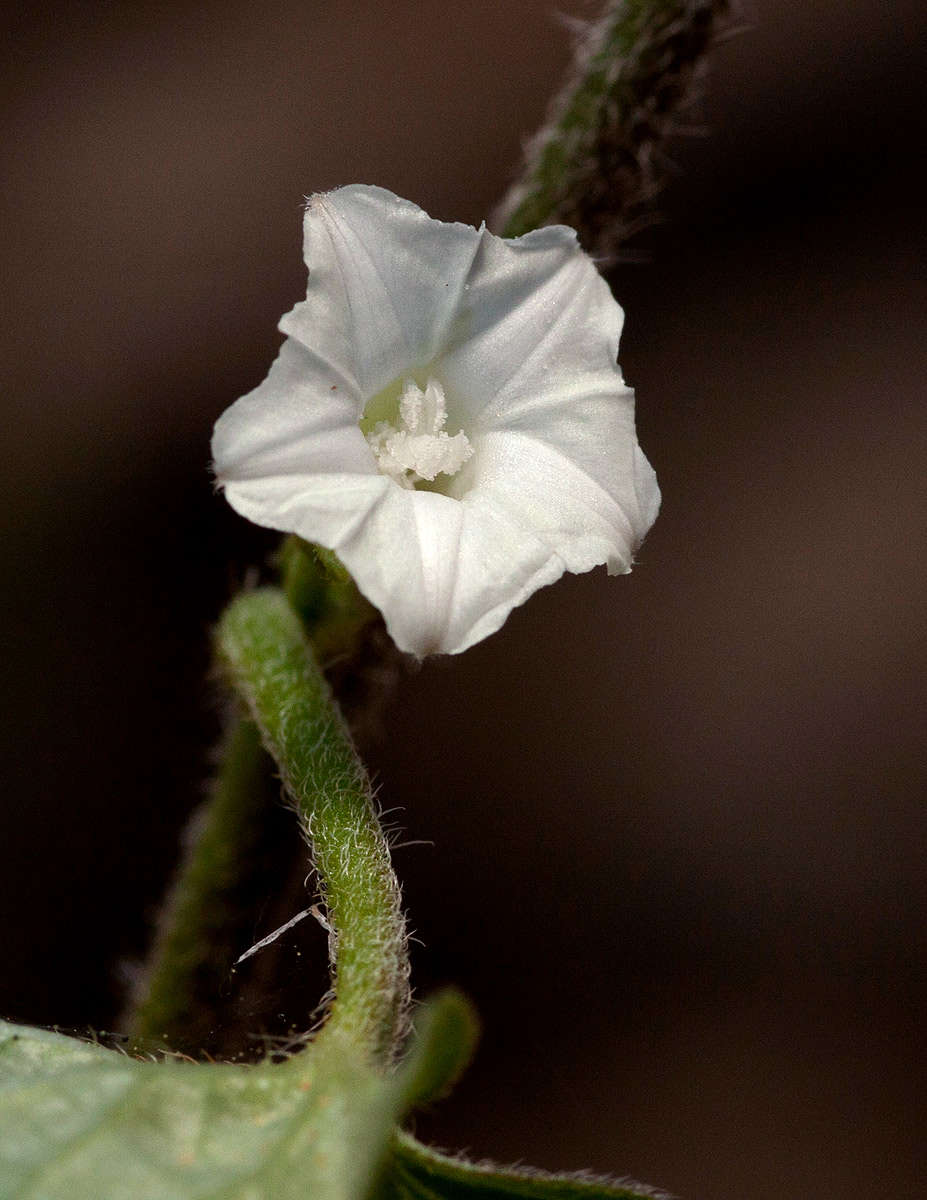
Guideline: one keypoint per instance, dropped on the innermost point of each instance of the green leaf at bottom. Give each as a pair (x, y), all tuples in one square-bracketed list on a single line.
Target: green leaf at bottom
[(82, 1122), (417, 1172)]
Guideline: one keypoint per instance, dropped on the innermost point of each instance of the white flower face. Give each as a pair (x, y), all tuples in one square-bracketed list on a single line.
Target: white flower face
[(447, 415)]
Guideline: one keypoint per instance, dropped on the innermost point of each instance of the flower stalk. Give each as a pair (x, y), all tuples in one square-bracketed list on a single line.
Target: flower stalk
[(263, 647)]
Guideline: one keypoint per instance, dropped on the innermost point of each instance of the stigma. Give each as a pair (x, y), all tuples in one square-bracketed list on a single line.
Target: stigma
[(419, 448)]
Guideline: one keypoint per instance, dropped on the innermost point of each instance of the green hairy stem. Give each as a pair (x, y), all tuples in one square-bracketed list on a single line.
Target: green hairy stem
[(239, 844), (596, 161), (262, 645)]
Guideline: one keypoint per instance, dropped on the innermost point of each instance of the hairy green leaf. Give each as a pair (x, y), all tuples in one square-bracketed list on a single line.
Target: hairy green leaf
[(79, 1121), (417, 1172)]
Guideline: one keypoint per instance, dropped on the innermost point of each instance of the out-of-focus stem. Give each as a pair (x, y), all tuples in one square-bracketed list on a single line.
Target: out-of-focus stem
[(195, 942), (597, 160)]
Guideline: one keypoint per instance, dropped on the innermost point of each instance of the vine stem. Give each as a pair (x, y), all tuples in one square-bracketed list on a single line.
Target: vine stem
[(262, 645), (598, 161), (209, 903)]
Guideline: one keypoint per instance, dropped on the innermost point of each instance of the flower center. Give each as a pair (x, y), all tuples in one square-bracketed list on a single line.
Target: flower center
[(418, 448)]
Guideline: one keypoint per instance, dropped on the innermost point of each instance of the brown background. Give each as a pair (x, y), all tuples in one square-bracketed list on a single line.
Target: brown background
[(677, 818)]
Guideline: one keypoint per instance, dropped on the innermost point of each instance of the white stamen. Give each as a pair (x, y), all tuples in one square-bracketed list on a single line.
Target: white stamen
[(420, 449)]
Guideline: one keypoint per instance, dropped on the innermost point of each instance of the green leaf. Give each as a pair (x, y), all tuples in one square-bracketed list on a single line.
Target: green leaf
[(417, 1172), (79, 1121), (447, 1029)]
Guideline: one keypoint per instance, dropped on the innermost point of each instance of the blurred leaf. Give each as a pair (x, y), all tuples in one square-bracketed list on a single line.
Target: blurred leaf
[(81, 1122), (446, 1033), (325, 597), (417, 1172)]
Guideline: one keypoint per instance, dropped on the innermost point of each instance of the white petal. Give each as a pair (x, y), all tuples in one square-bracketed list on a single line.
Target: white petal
[(538, 320), (302, 418), (320, 508), (589, 508), (589, 438), (290, 455), (455, 574), (384, 283), (444, 573)]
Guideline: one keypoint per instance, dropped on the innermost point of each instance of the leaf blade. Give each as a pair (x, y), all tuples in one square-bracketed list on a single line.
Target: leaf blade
[(80, 1121), (418, 1172)]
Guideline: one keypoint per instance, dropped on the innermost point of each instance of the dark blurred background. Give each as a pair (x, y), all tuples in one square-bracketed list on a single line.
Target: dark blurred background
[(678, 818)]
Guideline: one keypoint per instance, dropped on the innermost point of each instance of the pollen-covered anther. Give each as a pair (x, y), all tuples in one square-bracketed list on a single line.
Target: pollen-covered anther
[(421, 448)]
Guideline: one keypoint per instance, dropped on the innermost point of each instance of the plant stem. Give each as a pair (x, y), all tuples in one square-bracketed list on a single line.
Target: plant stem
[(262, 644), (209, 903), (597, 161)]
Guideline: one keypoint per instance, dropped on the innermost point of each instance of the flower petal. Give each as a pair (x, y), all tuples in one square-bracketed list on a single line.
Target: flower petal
[(444, 573), (591, 508), (300, 419), (573, 443), (537, 320), (290, 454), (384, 283)]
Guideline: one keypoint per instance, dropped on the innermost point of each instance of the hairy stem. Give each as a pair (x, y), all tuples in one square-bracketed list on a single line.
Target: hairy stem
[(596, 162), (239, 846), (264, 648)]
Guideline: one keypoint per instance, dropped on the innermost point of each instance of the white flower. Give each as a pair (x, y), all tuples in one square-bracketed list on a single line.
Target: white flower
[(447, 415)]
